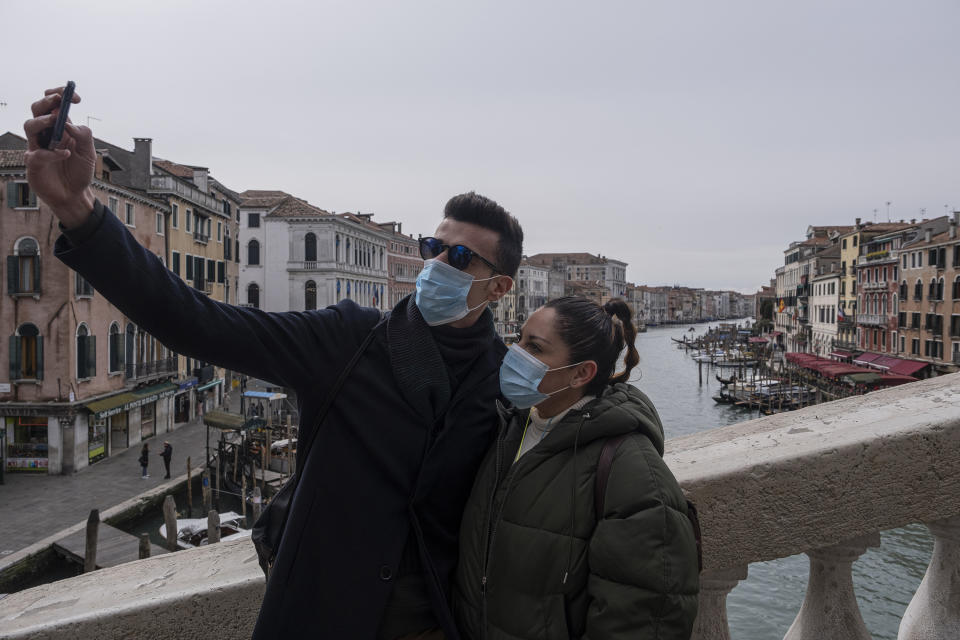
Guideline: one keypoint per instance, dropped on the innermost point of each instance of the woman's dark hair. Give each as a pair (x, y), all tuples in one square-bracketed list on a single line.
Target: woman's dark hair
[(592, 332), (484, 212)]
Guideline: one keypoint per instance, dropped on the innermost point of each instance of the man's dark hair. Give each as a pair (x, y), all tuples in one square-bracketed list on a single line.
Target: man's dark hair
[(484, 212)]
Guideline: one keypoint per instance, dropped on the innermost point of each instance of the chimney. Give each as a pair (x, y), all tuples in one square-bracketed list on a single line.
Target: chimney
[(927, 234), (953, 227), (400, 228), (913, 221), (142, 163), (858, 223), (200, 179)]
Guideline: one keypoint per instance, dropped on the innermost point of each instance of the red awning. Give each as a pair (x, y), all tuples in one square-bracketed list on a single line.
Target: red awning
[(885, 362), (774, 334), (841, 354), (756, 340), (907, 367), (892, 379), (866, 358)]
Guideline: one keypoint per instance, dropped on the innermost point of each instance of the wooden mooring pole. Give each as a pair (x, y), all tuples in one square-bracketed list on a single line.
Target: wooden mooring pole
[(205, 489), (170, 521), (213, 527), (189, 489), (257, 503), (144, 546), (90, 551)]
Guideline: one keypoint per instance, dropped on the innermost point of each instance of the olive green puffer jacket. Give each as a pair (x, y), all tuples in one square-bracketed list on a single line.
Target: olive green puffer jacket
[(534, 561)]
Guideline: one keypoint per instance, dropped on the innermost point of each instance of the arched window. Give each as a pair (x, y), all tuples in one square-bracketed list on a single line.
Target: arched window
[(115, 348), (310, 295), (348, 288), (903, 289), (310, 248), (932, 290), (940, 289), (26, 353), (23, 267), (956, 288), (883, 304), (253, 295), (338, 289), (253, 253), (337, 247), (896, 305), (346, 258), (86, 353), (918, 290)]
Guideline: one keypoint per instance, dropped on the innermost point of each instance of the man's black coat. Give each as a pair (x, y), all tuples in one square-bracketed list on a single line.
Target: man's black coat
[(393, 456)]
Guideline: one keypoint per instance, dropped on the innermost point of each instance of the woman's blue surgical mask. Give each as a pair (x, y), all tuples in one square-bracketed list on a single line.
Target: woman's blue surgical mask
[(442, 293), (520, 377)]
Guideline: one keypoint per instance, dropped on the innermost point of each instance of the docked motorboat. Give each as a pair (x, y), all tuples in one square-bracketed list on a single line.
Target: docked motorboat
[(192, 532)]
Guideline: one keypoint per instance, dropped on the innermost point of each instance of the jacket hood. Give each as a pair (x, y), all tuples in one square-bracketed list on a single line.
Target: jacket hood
[(622, 408)]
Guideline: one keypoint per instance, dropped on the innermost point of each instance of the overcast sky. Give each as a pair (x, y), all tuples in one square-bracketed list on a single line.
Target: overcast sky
[(693, 140)]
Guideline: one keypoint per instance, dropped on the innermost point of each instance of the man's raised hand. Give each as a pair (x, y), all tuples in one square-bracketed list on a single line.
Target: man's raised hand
[(60, 177)]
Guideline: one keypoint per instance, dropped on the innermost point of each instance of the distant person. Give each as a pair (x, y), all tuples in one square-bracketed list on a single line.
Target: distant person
[(370, 543), (144, 460), (166, 454), (537, 557)]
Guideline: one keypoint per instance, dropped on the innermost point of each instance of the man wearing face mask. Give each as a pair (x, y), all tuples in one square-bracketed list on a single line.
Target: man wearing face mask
[(370, 543)]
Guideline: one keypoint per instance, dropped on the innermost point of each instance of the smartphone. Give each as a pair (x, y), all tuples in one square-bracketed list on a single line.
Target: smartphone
[(50, 138)]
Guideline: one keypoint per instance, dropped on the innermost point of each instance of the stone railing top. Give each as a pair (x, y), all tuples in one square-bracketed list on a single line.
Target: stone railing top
[(765, 489), (783, 484)]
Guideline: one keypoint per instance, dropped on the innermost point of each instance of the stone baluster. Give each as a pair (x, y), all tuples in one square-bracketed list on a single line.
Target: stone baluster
[(830, 610), (711, 623), (934, 612)]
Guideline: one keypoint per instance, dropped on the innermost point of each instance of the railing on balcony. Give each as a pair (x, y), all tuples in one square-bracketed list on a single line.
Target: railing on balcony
[(874, 285), (169, 184), (202, 238), (873, 319), (136, 371), (825, 481), (845, 345)]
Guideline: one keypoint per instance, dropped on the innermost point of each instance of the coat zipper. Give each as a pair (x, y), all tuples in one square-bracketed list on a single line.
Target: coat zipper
[(493, 521)]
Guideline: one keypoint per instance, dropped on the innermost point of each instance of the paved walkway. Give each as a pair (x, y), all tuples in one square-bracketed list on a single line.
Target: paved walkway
[(33, 507)]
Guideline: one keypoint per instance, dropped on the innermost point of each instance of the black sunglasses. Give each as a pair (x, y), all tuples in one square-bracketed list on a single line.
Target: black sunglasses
[(458, 255)]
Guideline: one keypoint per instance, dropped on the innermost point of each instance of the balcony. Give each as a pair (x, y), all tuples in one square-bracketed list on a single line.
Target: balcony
[(824, 481), (872, 319), (844, 345), (201, 238), (880, 285), (146, 370), (169, 184)]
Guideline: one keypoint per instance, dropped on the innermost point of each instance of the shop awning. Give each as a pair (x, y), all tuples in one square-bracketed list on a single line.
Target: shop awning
[(758, 340), (224, 420), (207, 385), (885, 362), (866, 358), (907, 367), (265, 395), (841, 354), (121, 402)]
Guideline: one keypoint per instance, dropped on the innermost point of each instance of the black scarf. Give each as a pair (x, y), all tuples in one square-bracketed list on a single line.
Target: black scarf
[(430, 362)]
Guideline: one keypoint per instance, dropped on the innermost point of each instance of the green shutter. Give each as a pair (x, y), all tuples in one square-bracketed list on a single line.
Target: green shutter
[(14, 357), (13, 274), (36, 275), (11, 194), (92, 356), (81, 357), (39, 357)]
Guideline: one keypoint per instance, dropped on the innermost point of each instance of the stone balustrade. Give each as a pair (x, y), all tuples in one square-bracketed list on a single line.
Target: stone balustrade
[(825, 480)]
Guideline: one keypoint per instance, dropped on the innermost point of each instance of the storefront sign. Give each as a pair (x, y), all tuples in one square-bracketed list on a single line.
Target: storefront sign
[(4, 387), (133, 404), (26, 464), (183, 386)]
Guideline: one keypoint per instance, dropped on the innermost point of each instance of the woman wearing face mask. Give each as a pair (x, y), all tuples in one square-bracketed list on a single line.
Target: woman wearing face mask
[(535, 559)]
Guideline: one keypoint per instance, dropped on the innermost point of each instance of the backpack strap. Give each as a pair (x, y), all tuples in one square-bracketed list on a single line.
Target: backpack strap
[(604, 465)]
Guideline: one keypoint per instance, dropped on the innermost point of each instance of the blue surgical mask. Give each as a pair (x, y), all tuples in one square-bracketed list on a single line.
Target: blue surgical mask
[(521, 375), (442, 293)]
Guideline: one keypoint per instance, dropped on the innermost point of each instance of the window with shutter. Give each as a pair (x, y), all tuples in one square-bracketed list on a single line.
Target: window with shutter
[(211, 271), (175, 262), (189, 261), (221, 272)]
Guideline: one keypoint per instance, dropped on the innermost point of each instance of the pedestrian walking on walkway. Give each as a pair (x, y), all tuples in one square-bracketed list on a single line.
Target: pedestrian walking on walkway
[(144, 460), (166, 454)]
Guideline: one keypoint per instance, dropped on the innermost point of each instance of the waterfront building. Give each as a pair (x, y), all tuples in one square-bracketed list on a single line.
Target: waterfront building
[(824, 311), (585, 267), (403, 262), (635, 300), (928, 319), (850, 243), (82, 382), (532, 285), (298, 257), (655, 304)]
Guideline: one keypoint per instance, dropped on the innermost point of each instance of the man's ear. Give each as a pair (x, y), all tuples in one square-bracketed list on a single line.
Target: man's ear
[(583, 374), (499, 287)]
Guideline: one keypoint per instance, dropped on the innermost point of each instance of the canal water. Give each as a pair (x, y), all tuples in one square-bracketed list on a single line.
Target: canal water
[(765, 604)]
